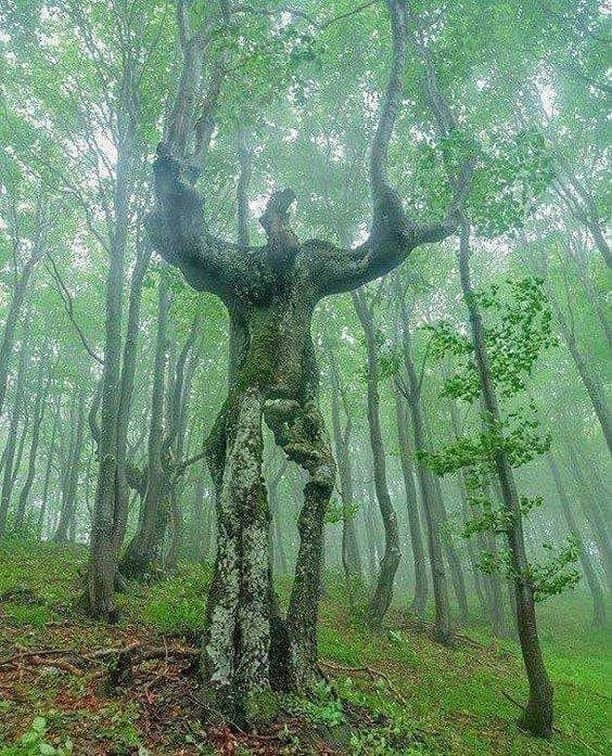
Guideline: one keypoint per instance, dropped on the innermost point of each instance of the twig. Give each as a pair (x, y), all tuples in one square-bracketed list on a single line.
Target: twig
[(7, 661)]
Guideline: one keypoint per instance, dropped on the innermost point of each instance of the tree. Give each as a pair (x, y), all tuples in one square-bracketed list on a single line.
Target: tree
[(271, 292), (383, 593)]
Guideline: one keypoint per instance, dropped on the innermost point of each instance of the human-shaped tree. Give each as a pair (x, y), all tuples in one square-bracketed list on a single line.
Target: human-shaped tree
[(271, 292)]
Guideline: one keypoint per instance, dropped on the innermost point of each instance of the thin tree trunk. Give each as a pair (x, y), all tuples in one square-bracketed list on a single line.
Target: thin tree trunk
[(351, 558), (128, 372), (599, 608), (593, 517), (68, 510), (452, 555), (589, 379), (428, 498), (13, 316), (421, 583), (39, 411), (47, 479), (11, 443), (103, 556), (143, 551), (383, 593), (538, 715)]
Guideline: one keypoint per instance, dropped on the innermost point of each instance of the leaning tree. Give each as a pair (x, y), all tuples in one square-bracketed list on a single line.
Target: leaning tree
[(270, 292)]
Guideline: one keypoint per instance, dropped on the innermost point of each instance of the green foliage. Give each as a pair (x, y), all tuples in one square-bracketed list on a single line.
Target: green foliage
[(336, 511), (322, 707), (34, 743), (558, 573)]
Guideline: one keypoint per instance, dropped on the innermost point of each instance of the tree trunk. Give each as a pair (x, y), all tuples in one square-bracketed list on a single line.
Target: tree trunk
[(12, 319), (103, 556), (351, 558), (383, 593), (49, 468), (421, 583), (599, 608), (16, 416), (593, 517), (144, 550), (589, 379), (39, 411), (68, 510), (538, 715), (236, 652), (430, 505), (452, 555), (128, 372)]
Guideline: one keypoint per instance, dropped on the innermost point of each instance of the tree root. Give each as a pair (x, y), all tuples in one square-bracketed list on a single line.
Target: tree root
[(123, 657), (556, 729), (373, 673)]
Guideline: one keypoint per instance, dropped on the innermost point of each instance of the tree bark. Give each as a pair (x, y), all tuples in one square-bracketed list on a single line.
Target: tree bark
[(144, 550), (452, 554), (589, 379), (103, 555), (351, 558), (14, 311), (430, 504), (49, 468), (69, 492), (16, 416), (38, 415), (593, 517)]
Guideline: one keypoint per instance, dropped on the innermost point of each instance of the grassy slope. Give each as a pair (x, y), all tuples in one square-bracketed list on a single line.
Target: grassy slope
[(428, 699)]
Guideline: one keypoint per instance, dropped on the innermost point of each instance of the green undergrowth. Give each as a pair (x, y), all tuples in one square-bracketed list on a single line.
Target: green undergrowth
[(388, 692), (177, 605)]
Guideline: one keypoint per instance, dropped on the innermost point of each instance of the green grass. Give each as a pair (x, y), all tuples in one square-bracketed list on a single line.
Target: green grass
[(177, 605), (420, 697)]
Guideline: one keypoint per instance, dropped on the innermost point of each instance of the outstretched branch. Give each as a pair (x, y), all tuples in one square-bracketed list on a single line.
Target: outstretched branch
[(393, 234), (178, 232)]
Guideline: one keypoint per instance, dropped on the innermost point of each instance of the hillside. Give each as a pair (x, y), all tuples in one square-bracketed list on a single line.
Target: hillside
[(64, 685)]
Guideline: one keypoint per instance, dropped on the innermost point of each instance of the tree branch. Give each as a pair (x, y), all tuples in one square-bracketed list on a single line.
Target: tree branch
[(69, 307)]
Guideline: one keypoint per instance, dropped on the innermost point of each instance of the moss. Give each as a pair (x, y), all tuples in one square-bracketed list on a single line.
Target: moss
[(262, 707), (263, 351)]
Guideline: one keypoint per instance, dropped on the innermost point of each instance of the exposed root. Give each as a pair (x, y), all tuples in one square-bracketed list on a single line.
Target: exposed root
[(373, 673)]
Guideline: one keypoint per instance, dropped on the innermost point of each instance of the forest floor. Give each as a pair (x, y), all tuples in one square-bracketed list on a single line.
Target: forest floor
[(64, 688)]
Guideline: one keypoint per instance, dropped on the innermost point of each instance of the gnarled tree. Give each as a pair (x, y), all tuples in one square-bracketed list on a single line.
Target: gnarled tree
[(271, 292)]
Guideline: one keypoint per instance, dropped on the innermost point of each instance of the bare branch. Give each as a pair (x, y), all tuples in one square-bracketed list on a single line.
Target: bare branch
[(67, 301)]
